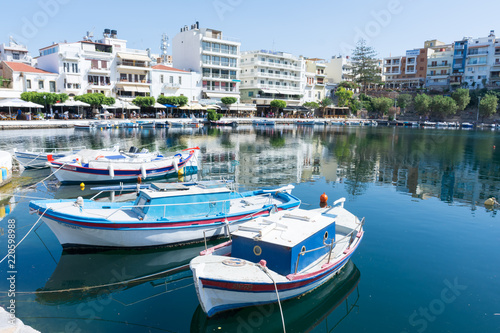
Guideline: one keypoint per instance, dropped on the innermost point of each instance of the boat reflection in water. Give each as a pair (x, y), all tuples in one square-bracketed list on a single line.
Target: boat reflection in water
[(301, 314), (85, 276)]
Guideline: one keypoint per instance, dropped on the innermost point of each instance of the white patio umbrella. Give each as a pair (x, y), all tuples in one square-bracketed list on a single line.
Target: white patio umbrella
[(18, 103), (74, 103)]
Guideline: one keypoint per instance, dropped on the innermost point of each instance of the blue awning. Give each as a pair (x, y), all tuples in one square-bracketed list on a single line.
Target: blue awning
[(170, 105)]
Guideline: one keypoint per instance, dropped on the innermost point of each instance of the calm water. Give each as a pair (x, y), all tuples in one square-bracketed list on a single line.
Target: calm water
[(429, 261)]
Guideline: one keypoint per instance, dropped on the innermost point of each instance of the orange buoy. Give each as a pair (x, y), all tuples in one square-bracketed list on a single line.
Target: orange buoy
[(323, 198), (139, 180)]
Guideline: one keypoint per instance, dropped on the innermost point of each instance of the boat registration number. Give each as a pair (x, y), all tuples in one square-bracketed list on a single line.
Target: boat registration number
[(242, 286)]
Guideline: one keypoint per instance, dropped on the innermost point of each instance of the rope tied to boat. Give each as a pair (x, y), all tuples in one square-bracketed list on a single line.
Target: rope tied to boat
[(263, 267), (19, 243)]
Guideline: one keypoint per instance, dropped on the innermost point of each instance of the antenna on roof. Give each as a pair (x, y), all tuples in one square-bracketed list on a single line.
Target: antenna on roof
[(12, 41), (164, 47)]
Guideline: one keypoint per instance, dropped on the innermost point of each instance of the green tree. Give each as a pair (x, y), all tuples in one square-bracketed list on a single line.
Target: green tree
[(44, 98), (355, 105), (488, 105), (277, 104), (95, 99), (348, 85), (461, 97), (382, 104), (422, 104), (344, 96), (404, 100), (442, 106), (311, 105), (228, 100), (173, 100), (145, 102), (324, 103), (364, 65), (212, 115)]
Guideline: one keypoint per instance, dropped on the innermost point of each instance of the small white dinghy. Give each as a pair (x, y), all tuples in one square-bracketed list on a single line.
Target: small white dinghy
[(288, 253)]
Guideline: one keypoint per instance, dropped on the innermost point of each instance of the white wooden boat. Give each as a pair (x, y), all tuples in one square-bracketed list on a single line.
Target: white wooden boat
[(36, 158), (287, 253), (166, 214), (95, 166)]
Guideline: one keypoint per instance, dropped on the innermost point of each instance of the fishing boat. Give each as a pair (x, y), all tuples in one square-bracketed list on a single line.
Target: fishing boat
[(337, 123), (95, 166), (145, 124), (166, 214), (128, 124), (467, 125), (36, 158), (286, 254), (86, 125), (324, 307), (304, 122), (224, 123), (263, 122)]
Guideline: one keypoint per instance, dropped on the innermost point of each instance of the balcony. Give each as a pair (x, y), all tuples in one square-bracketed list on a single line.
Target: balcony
[(439, 65), (171, 85), (135, 82), (479, 53), (98, 70), (219, 51), (278, 65)]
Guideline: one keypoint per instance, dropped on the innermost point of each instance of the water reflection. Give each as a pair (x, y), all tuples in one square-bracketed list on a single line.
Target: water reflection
[(316, 309), (85, 276), (455, 166)]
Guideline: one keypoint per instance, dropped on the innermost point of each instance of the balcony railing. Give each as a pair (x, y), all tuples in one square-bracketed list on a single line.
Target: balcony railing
[(439, 65), (227, 89), (219, 50), (477, 53)]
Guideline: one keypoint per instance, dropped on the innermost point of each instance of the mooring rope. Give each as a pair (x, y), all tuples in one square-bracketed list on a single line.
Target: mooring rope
[(19, 243), (265, 270)]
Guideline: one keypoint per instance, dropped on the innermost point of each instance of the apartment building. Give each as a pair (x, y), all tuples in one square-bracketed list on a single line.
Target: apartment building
[(211, 54), (407, 71), (170, 81), (315, 90), (268, 75), (339, 69), (480, 58), (23, 78), (439, 67), (105, 66)]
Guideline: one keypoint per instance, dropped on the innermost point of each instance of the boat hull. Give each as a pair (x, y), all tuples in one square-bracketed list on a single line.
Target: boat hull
[(217, 296), (76, 173)]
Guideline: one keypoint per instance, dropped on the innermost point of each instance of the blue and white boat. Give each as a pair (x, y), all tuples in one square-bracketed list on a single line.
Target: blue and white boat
[(337, 122), (37, 158), (287, 253), (97, 166), (145, 124), (128, 124), (263, 122), (304, 122), (166, 214), (467, 125), (85, 125)]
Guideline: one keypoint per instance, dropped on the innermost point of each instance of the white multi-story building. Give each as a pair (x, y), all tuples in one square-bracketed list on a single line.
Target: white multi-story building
[(268, 75), (439, 67), (339, 69), (23, 78), (106, 66), (15, 52), (495, 66), (480, 58), (170, 81), (316, 80), (214, 56)]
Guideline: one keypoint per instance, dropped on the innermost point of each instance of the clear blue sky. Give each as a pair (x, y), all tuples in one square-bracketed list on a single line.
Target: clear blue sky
[(313, 28)]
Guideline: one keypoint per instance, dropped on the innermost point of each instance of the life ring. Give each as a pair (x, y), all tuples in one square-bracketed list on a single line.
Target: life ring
[(100, 156)]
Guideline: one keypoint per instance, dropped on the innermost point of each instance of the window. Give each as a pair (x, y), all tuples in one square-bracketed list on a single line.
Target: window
[(161, 78), (104, 64), (215, 47), (171, 79), (40, 84), (52, 85), (180, 79), (74, 67), (15, 56), (28, 84), (250, 93)]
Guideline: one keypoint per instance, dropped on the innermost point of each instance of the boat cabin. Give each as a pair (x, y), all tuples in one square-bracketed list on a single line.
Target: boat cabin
[(280, 238), (167, 200)]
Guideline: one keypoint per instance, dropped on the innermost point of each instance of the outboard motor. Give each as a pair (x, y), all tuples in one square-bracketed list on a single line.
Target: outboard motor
[(133, 150)]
